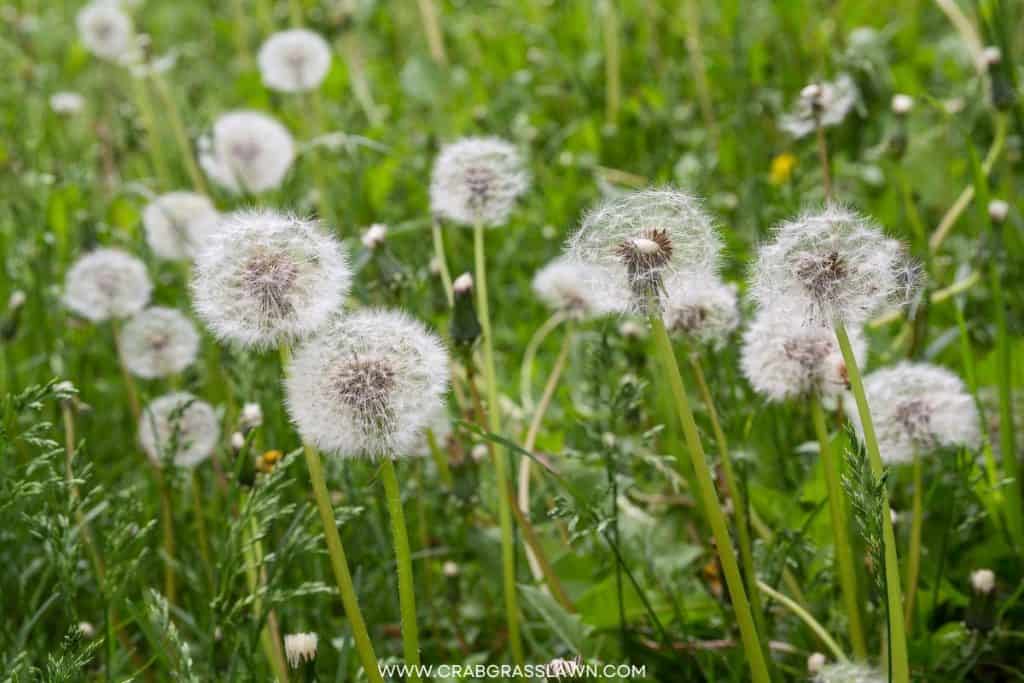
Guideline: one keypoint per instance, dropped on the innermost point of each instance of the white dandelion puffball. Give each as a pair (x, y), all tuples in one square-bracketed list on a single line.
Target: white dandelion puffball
[(300, 648), (66, 103), (159, 342), (107, 283), (296, 60), (562, 286), (848, 672), (477, 179), (825, 103), (367, 384), (701, 308), (785, 358), (832, 266), (106, 31), (180, 427), (983, 581), (265, 278), (918, 408), (640, 241), (249, 152), (177, 223)]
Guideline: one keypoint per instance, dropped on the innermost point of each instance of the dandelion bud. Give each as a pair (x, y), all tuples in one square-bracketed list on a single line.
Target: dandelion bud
[(178, 223), (991, 56), (105, 30), (237, 441), (701, 309), (86, 630), (983, 581), (848, 672), (178, 427), (300, 648), (107, 283), (477, 180), (464, 327), (252, 415), (561, 284), (902, 104), (815, 663), (998, 210), (463, 284), (821, 104), (450, 569), (66, 103), (480, 452), (249, 152), (981, 610), (296, 60), (374, 235), (632, 329)]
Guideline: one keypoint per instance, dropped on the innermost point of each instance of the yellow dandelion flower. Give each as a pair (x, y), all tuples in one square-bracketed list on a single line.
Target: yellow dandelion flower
[(782, 168)]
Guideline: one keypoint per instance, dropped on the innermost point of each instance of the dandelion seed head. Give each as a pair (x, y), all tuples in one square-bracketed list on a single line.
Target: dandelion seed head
[(177, 224), (367, 384), (107, 283), (918, 408), (477, 179), (848, 672), (463, 283), (180, 427), (300, 648), (249, 152), (67, 103), (296, 60), (159, 342), (374, 236), (106, 31), (562, 285), (265, 278), (902, 104), (252, 415), (998, 210), (701, 308), (826, 104), (983, 581), (637, 242)]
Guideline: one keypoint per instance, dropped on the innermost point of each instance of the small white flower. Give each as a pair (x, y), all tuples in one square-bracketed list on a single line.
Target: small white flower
[(815, 662), (177, 224), (296, 60), (702, 309), (265, 278), (983, 581), (374, 235), (918, 408), (825, 104), (562, 285), (107, 283), (67, 103), (159, 342), (902, 104), (477, 179), (252, 415), (998, 210), (848, 672), (180, 427), (300, 648), (366, 385), (250, 152), (463, 283), (105, 30)]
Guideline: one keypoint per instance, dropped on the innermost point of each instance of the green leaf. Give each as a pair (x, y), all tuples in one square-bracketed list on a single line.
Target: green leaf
[(569, 627)]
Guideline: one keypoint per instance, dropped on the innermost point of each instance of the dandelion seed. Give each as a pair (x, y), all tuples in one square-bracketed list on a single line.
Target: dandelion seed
[(177, 224), (983, 581), (821, 104), (367, 384), (637, 242), (562, 285), (178, 427), (701, 309), (106, 31), (107, 283), (249, 152), (833, 265), (918, 408), (67, 103), (159, 342), (266, 278), (477, 179), (296, 60), (848, 672), (300, 648)]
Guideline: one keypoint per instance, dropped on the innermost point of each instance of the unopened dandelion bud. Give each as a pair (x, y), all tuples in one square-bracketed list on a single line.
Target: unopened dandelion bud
[(252, 415), (902, 104), (464, 327), (983, 581), (300, 648), (86, 630), (374, 235), (480, 452), (237, 441), (998, 210), (991, 56), (981, 609), (463, 284), (450, 569), (632, 329), (815, 662)]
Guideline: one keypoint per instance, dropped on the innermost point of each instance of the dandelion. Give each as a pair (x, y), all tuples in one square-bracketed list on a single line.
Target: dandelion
[(902, 104), (249, 152), (67, 103), (178, 427), (300, 648), (293, 61), (107, 283), (159, 342), (477, 180), (562, 285), (983, 581), (815, 662), (106, 31), (847, 672), (823, 104), (641, 240), (374, 236), (782, 169), (701, 309), (266, 278), (252, 415), (998, 210), (177, 224)]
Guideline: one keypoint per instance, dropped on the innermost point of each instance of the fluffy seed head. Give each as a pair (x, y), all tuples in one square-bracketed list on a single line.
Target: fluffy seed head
[(902, 104), (300, 648), (639, 241), (832, 265), (983, 581), (815, 662), (296, 60), (463, 283), (249, 152), (477, 179), (562, 285), (825, 104), (918, 408), (784, 359), (106, 31), (107, 283), (367, 384), (848, 672), (159, 342), (178, 426), (998, 210), (66, 103), (266, 278), (701, 308), (177, 224)]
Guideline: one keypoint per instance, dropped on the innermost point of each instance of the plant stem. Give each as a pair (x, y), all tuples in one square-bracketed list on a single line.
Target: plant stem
[(698, 69), (180, 134), (508, 557), (295, 12), (317, 127), (442, 261), (432, 27), (440, 459), (253, 564), (899, 670), (612, 60), (807, 618), (823, 158), (547, 571), (840, 531), (712, 507), (403, 558), (1004, 380), (145, 104), (351, 50), (168, 528), (914, 556), (532, 346), (126, 375), (241, 19), (201, 535)]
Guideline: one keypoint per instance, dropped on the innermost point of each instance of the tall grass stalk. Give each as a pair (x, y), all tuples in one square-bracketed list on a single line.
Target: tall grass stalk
[(805, 617), (318, 126), (432, 27), (180, 133), (403, 558), (144, 103), (253, 564), (914, 554), (442, 260), (612, 60)]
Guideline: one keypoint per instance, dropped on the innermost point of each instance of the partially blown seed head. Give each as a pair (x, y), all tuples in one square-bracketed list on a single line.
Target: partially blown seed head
[(848, 672), (367, 384), (825, 104), (265, 278), (180, 427), (918, 408), (702, 309), (300, 648), (249, 152), (177, 223), (477, 179), (106, 31), (562, 285), (159, 342), (107, 283), (296, 60)]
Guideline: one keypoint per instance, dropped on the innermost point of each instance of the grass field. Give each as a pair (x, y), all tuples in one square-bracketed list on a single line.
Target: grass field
[(659, 457)]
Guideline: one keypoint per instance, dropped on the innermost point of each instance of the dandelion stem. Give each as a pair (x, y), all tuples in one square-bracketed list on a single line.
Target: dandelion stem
[(253, 562), (899, 669), (712, 507), (403, 558), (295, 12), (167, 517), (508, 556), (351, 50), (180, 134), (826, 173), (432, 27), (440, 459), (126, 375), (914, 556), (805, 617), (144, 102), (547, 572), (317, 127), (1007, 445), (442, 261), (202, 537), (241, 33), (840, 531), (532, 346), (612, 61)]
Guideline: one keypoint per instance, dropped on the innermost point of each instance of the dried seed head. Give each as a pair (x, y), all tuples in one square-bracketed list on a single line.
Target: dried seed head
[(848, 672), (249, 152), (179, 427), (159, 342), (477, 179), (561, 284), (300, 648), (983, 581), (296, 60), (902, 104), (106, 31), (702, 309), (177, 224), (463, 284), (107, 283), (824, 104)]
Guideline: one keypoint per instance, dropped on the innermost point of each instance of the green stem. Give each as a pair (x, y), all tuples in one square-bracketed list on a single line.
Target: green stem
[(532, 346), (317, 127), (241, 18), (840, 531), (442, 261), (508, 557), (1004, 379), (432, 27), (126, 375), (914, 556), (440, 459), (807, 618), (253, 564), (295, 12), (712, 507), (403, 558), (180, 134), (146, 111), (201, 535), (612, 59), (168, 537), (899, 670)]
